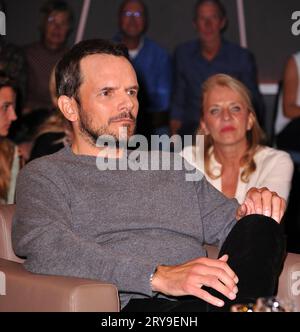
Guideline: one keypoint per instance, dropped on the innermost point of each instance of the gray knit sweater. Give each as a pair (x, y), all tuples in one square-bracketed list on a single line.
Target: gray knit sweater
[(115, 226)]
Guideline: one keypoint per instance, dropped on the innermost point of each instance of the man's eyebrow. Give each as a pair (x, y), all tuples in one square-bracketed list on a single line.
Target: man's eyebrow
[(108, 88), (112, 88), (134, 87)]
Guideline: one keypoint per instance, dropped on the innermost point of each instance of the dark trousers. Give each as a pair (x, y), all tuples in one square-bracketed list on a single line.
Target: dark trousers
[(256, 249)]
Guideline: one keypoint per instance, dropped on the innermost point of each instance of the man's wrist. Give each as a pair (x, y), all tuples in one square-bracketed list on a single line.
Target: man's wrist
[(151, 279), (158, 278)]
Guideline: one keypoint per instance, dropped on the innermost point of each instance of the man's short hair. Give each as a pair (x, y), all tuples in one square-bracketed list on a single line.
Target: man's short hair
[(67, 73), (6, 81), (218, 3)]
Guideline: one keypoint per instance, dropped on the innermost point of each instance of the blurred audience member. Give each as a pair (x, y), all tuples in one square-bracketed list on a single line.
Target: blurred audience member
[(9, 156), (287, 125), (52, 136), (43, 131), (197, 60), (42, 56), (152, 64), (26, 129), (234, 157), (13, 63), (56, 132)]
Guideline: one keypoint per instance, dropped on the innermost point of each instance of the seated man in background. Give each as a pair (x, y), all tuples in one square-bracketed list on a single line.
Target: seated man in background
[(143, 230), (42, 56), (197, 60), (152, 65)]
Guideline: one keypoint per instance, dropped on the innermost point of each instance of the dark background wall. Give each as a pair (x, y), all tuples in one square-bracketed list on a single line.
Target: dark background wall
[(268, 26)]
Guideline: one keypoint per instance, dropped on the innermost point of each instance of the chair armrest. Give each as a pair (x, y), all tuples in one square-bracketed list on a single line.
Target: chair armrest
[(212, 251), (25, 291)]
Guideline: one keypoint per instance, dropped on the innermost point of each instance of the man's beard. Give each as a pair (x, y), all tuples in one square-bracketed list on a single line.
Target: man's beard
[(92, 134)]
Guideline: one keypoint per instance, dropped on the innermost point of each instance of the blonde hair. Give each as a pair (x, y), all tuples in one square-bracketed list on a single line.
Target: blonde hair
[(52, 87), (56, 122), (7, 151), (255, 136)]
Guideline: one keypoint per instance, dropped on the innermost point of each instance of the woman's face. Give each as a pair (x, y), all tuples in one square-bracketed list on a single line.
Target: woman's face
[(225, 116)]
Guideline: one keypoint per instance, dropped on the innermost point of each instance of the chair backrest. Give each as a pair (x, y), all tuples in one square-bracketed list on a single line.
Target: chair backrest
[(6, 250)]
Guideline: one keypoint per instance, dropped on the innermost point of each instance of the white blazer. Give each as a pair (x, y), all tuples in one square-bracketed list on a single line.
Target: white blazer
[(274, 170)]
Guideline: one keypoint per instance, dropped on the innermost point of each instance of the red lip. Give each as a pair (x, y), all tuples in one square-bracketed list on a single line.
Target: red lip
[(227, 129)]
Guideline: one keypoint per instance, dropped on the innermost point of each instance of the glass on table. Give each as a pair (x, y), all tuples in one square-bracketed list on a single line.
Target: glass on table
[(266, 304), (274, 304)]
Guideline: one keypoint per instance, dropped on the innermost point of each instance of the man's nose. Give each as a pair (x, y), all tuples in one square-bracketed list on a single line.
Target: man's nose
[(126, 102)]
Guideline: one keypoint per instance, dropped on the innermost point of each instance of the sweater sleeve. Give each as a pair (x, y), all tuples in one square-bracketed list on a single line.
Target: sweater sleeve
[(217, 211), (42, 232)]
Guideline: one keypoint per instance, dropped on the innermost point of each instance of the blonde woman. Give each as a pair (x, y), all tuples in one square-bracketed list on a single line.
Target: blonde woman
[(235, 159)]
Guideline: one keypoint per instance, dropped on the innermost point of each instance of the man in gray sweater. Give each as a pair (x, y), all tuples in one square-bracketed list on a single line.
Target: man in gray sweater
[(143, 230)]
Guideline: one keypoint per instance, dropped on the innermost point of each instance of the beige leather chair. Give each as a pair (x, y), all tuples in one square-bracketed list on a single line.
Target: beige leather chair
[(21, 290)]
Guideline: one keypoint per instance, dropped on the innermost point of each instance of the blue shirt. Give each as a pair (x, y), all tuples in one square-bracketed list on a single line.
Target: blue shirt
[(191, 69), (154, 71)]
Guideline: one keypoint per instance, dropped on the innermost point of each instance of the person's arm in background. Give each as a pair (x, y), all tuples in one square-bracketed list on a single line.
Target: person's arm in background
[(290, 87), (43, 233), (178, 96), (248, 76)]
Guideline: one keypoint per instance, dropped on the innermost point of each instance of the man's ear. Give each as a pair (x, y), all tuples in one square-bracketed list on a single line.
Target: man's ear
[(68, 108)]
